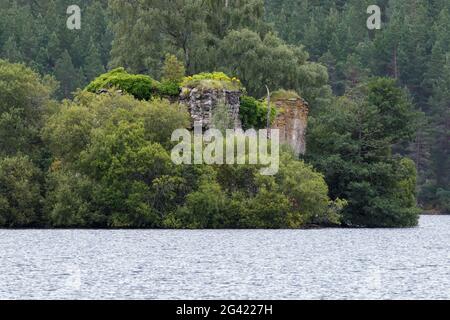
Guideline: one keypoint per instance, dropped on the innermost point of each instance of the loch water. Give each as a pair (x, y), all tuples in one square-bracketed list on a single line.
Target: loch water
[(228, 264)]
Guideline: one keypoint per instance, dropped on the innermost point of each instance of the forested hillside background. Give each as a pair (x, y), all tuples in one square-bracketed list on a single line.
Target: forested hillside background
[(320, 48)]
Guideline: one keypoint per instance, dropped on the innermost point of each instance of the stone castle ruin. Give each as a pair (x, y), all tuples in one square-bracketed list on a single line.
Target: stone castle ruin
[(209, 95), (291, 119), (201, 104)]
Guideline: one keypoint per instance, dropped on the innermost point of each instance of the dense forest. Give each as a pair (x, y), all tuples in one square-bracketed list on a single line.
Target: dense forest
[(379, 100)]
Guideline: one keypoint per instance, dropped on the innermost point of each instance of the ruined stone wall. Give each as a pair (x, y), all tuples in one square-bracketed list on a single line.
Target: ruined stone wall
[(201, 104), (292, 120)]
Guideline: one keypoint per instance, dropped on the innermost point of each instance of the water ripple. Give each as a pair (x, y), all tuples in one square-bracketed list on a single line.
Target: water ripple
[(228, 264)]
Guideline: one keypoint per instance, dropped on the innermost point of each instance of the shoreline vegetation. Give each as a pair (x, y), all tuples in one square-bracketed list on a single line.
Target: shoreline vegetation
[(434, 213), (302, 228), (86, 116)]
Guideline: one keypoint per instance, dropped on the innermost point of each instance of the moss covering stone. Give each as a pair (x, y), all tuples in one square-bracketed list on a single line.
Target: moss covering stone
[(284, 95), (214, 80), (142, 87)]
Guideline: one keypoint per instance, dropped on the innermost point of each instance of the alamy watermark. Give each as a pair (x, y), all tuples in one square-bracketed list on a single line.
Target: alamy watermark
[(374, 21), (236, 146), (74, 20)]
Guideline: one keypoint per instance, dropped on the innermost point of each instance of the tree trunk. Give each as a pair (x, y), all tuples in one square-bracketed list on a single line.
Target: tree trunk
[(395, 63), (268, 111)]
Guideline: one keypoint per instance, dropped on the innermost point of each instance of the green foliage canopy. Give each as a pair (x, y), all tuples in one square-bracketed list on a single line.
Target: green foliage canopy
[(352, 145)]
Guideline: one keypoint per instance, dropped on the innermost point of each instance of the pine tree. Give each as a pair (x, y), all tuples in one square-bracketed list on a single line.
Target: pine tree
[(93, 63), (54, 49), (66, 74), (11, 52), (173, 70), (440, 102)]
